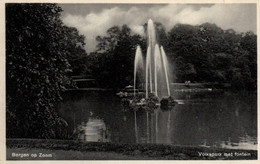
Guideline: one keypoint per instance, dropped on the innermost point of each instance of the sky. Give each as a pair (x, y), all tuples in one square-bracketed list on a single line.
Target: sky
[(94, 19)]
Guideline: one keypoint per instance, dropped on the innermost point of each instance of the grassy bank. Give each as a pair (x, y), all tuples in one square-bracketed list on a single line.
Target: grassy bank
[(74, 150), (50, 154)]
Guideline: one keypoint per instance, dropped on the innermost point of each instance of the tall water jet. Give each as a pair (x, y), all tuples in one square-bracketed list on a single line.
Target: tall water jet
[(165, 64), (151, 42), (148, 60), (157, 66), (150, 73), (151, 33), (138, 63)]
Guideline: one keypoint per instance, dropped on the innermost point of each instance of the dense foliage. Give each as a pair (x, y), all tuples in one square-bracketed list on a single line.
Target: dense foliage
[(202, 53), (206, 53), (39, 54), (112, 63)]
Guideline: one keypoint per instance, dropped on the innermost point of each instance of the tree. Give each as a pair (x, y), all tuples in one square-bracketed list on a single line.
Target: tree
[(115, 53), (74, 45), (201, 53), (249, 43), (37, 48), (206, 53), (186, 51), (108, 43)]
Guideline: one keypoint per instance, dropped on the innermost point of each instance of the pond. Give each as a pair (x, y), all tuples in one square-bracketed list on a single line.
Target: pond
[(207, 118)]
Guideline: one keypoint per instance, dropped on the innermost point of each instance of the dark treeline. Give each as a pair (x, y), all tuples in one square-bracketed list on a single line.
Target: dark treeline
[(113, 63), (204, 53), (42, 54)]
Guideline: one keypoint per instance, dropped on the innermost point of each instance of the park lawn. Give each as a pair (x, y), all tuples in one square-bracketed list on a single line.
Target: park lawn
[(76, 150), (70, 155)]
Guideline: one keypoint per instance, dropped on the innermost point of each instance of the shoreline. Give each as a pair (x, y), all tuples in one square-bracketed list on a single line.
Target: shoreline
[(58, 149)]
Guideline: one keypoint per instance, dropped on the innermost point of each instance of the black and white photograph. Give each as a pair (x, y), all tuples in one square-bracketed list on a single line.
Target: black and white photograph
[(130, 81)]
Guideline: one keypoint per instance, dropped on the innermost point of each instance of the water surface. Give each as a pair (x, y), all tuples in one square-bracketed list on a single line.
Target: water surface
[(208, 118)]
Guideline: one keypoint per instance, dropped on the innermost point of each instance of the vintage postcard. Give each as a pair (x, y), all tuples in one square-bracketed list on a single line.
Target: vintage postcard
[(129, 81)]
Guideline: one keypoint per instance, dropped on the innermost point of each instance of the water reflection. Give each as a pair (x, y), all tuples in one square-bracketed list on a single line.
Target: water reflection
[(94, 130), (165, 128), (227, 120), (246, 143)]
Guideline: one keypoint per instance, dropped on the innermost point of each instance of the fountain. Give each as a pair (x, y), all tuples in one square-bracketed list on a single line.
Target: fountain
[(156, 78), (156, 65), (138, 64)]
